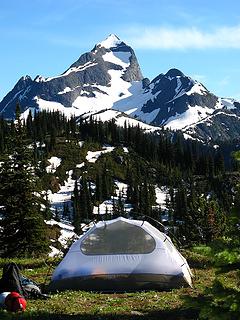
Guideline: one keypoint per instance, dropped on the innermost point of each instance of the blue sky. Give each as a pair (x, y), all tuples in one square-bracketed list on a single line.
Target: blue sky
[(201, 38)]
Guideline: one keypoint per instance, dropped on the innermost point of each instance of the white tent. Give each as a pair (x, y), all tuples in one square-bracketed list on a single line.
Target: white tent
[(122, 255)]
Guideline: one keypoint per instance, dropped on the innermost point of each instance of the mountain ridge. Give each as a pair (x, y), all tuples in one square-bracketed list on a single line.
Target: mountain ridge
[(109, 77)]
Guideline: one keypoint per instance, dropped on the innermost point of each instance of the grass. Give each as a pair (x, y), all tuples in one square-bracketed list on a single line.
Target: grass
[(183, 303)]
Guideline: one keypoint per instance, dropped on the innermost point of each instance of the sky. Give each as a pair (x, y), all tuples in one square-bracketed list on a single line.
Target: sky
[(201, 38)]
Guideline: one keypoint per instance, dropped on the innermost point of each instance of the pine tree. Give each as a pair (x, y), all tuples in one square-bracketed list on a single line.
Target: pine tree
[(219, 164), (99, 187), (85, 201), (145, 197), (23, 231), (181, 207), (77, 219), (216, 221), (29, 125)]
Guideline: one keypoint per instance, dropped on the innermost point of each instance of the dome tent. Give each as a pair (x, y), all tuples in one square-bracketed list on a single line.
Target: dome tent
[(122, 255)]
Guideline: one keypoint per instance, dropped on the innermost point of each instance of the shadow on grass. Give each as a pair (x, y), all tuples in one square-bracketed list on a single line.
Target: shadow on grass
[(174, 314)]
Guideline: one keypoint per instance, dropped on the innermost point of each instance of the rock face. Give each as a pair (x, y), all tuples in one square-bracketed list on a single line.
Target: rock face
[(94, 75), (173, 94), (222, 125), (109, 77)]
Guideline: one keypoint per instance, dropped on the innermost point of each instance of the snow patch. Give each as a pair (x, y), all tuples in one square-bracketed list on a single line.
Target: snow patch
[(63, 195), (228, 103), (133, 103), (197, 88), (121, 120), (67, 233), (190, 116), (107, 206), (67, 89), (81, 143), (54, 163), (106, 115), (80, 165), (179, 84), (117, 91), (110, 42), (121, 189), (92, 156), (161, 196), (25, 114), (54, 106), (55, 252), (119, 58)]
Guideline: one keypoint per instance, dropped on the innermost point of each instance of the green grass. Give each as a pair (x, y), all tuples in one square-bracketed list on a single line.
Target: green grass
[(183, 303)]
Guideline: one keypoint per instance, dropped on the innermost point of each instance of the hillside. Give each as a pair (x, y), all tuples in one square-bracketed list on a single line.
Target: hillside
[(91, 168), (75, 172)]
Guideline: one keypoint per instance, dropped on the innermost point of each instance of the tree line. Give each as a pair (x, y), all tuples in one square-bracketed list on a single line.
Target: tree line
[(191, 171)]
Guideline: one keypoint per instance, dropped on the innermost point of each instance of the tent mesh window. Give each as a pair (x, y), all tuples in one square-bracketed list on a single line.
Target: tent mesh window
[(118, 238)]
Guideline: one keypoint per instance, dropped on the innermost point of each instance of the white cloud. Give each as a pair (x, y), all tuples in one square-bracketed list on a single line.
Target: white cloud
[(184, 38)]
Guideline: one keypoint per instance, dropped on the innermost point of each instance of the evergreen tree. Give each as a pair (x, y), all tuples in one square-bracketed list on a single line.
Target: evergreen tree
[(23, 231), (85, 201), (99, 187), (29, 125), (219, 164), (216, 221), (77, 219), (181, 207), (204, 220), (107, 183)]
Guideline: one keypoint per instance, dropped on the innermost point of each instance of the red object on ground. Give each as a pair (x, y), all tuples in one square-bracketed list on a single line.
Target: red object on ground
[(15, 302)]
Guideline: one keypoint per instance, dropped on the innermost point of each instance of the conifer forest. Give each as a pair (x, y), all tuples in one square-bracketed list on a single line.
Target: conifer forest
[(202, 183)]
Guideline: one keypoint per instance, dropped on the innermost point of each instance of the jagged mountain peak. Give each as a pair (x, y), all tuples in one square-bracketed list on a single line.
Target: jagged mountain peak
[(94, 82), (111, 50), (25, 78), (22, 83), (174, 73), (39, 78), (111, 41)]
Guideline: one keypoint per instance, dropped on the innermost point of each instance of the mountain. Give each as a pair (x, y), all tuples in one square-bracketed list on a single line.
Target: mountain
[(109, 77), (94, 82), (178, 102)]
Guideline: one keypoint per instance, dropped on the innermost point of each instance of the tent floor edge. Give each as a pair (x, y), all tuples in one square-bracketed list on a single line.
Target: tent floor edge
[(120, 283)]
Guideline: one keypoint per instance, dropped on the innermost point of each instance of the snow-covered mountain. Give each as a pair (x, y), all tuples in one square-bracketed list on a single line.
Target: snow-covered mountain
[(109, 77), (94, 82)]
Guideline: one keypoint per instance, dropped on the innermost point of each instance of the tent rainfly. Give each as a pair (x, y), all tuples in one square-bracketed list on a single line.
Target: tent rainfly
[(122, 255)]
